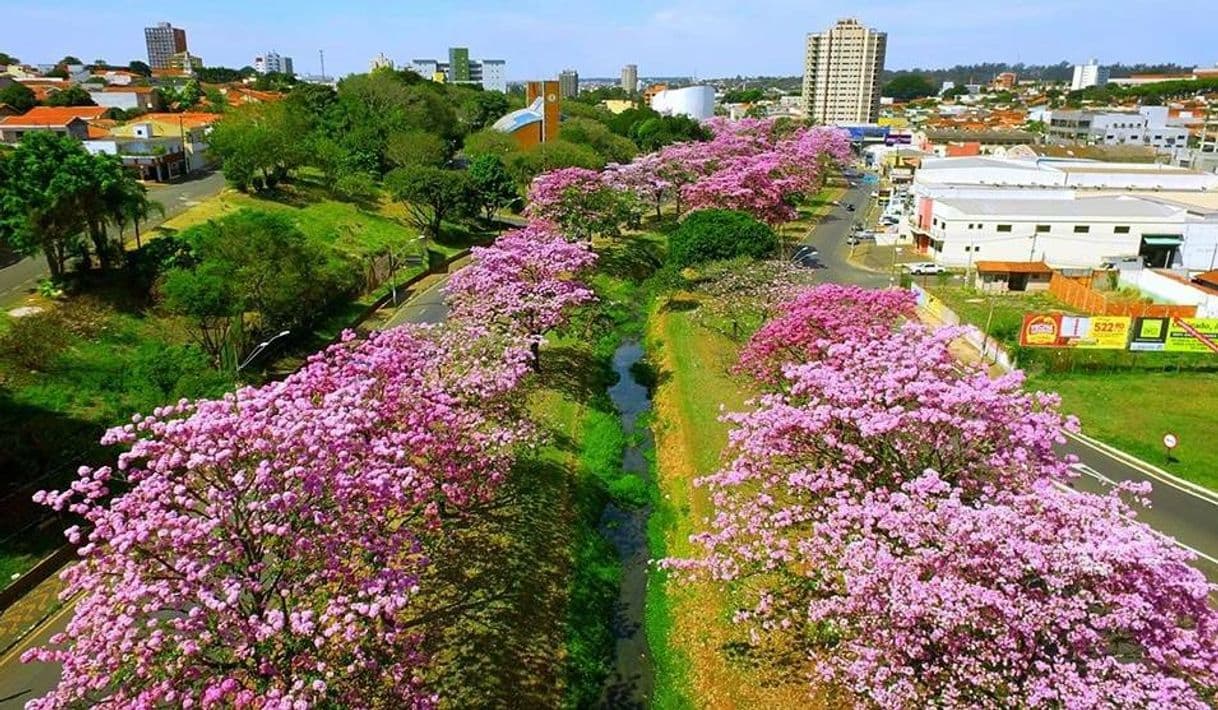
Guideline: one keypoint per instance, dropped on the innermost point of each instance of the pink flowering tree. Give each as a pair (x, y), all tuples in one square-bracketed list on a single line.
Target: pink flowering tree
[(1044, 598), (526, 283), (753, 169), (893, 524), (582, 202), (266, 549), (818, 317), (745, 293)]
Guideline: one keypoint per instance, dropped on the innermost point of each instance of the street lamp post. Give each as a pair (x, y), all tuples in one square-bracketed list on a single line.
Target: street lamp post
[(258, 350)]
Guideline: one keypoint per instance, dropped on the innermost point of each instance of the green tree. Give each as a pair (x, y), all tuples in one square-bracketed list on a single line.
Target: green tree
[(710, 235), (907, 86), (269, 267), (69, 60), (209, 303), (71, 96), (526, 165), (182, 97), (139, 67), (482, 108), (40, 193), (493, 187), (415, 147), (655, 133), (597, 136), (430, 194), (7, 59), (19, 96), (490, 142), (743, 96), (259, 140)]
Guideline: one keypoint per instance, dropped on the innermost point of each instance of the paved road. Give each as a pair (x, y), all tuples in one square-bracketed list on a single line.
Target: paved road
[(19, 277), (425, 307), (830, 240), (1177, 510)]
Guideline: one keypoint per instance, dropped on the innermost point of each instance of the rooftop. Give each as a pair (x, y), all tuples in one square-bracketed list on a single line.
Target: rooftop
[(1013, 267), (54, 115), (1062, 207)]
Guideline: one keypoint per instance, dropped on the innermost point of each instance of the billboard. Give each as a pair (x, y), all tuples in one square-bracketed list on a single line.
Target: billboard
[(1055, 330), (1179, 335)]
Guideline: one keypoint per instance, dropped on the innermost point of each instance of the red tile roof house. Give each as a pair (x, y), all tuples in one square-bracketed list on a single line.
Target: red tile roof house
[(68, 120)]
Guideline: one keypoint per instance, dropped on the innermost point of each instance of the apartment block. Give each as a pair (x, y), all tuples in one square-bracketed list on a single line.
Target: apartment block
[(841, 73), (163, 42)]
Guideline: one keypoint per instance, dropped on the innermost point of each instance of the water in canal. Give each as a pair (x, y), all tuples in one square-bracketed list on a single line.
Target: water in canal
[(631, 682)]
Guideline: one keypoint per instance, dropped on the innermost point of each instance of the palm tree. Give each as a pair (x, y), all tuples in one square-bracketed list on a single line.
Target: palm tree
[(132, 205)]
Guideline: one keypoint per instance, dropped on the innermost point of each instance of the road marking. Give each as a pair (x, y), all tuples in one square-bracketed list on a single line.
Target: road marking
[(1155, 472)]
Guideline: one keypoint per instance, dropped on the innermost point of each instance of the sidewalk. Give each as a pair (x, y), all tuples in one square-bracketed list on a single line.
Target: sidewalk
[(29, 611)]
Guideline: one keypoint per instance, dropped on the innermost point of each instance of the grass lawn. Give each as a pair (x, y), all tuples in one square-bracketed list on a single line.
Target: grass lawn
[(1133, 410), (688, 624)]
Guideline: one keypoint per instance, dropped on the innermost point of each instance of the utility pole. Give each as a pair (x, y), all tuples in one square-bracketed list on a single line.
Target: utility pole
[(321, 53)]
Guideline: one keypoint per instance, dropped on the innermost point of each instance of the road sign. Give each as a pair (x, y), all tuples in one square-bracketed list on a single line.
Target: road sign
[(1170, 440)]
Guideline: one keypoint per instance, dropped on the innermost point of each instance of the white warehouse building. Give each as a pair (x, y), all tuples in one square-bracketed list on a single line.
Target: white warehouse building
[(697, 102), (1069, 214)]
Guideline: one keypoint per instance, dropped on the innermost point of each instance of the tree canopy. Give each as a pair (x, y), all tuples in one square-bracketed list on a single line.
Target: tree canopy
[(909, 86)]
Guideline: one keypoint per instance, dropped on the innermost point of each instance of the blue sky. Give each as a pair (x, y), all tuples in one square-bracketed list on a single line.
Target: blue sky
[(705, 38)]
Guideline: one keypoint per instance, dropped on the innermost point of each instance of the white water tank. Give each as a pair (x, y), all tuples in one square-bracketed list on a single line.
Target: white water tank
[(697, 102)]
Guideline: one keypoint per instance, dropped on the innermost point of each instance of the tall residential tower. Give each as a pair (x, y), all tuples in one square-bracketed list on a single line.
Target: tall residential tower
[(630, 79), (568, 83), (842, 73), (164, 40)]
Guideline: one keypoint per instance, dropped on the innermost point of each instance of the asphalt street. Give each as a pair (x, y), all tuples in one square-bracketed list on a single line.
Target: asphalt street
[(19, 277)]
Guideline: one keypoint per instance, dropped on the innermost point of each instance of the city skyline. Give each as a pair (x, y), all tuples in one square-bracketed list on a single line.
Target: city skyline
[(678, 39)]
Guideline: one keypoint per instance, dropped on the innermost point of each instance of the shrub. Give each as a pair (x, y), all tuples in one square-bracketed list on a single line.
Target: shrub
[(35, 341), (356, 187), (708, 235)]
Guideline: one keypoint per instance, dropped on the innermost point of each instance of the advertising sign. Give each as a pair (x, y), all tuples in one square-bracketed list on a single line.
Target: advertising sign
[(1179, 335), (1054, 330)]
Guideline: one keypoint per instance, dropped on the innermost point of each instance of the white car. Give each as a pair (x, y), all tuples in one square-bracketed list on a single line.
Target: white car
[(925, 267)]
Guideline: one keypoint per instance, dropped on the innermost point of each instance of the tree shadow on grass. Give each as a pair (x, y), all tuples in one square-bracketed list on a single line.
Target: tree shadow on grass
[(630, 259), (574, 371), (507, 651)]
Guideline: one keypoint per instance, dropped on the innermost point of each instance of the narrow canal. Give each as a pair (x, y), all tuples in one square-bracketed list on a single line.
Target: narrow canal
[(631, 682)]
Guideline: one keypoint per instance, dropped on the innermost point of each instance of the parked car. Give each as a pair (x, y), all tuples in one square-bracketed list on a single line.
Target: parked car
[(853, 240), (849, 208), (806, 256), (925, 268)]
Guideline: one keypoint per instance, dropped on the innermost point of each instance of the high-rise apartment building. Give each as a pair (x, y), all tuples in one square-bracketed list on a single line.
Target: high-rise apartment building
[(842, 73), (1089, 74), (273, 63), (630, 78), (163, 41), (458, 65), (568, 83)]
